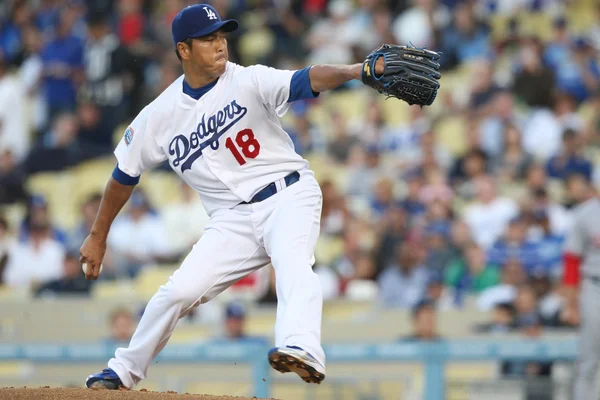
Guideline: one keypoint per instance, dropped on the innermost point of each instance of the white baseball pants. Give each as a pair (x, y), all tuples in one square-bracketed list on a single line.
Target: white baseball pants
[(283, 230), (586, 377)]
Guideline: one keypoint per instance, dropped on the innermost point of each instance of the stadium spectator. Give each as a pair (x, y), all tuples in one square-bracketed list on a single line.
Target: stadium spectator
[(569, 160), (344, 263), (405, 142), (502, 322), (341, 143), (534, 82), (483, 87), (11, 31), (6, 243), (58, 148), (513, 162), (439, 253), (421, 23), (234, 326), (334, 213), (514, 245), (444, 297), (330, 40), (549, 303), (579, 73), (460, 238), (471, 274), (302, 133), (465, 39), (47, 16), (513, 275), (36, 260), (536, 178), (542, 134), (93, 139), (137, 237), (412, 204), (577, 190), (121, 327), (12, 180), (471, 163), (361, 286), (403, 284), (89, 210), (544, 206), (489, 215), (436, 192), (63, 67), (538, 385), (557, 49), (109, 77), (382, 199), (14, 137), (30, 73), (38, 213), (72, 283), (502, 113), (424, 318), (362, 178), (549, 244), (526, 307), (393, 231)]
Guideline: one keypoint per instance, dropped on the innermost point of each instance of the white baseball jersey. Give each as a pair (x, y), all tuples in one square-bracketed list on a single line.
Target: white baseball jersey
[(227, 145)]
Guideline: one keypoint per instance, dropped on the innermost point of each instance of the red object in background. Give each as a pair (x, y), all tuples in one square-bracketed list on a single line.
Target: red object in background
[(571, 274), (314, 7), (247, 281), (131, 28)]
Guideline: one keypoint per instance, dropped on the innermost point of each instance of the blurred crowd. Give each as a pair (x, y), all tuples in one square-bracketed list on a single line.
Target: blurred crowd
[(417, 219)]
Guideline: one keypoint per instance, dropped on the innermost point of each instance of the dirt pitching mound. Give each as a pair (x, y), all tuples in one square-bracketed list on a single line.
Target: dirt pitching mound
[(88, 394)]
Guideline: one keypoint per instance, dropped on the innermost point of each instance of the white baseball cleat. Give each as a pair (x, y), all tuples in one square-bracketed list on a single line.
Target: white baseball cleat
[(295, 359)]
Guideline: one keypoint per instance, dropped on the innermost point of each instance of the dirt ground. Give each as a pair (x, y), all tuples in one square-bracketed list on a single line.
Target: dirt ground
[(87, 394)]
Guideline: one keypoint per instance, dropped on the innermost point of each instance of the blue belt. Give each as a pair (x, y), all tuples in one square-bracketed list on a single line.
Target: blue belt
[(271, 189)]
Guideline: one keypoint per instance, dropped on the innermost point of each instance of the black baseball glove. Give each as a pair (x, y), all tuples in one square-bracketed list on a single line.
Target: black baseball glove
[(410, 74)]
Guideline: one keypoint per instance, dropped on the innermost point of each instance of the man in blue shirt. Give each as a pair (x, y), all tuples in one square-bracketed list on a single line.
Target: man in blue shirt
[(514, 246), (569, 161), (63, 68), (235, 327)]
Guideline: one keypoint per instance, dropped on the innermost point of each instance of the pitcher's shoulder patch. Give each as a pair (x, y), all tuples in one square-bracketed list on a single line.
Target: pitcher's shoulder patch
[(128, 135)]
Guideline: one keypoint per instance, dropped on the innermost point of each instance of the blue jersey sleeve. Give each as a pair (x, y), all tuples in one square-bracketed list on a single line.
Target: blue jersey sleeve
[(123, 178), (300, 86)]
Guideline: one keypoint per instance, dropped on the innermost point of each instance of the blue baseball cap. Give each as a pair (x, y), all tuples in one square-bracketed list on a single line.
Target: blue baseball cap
[(199, 20), (235, 310)]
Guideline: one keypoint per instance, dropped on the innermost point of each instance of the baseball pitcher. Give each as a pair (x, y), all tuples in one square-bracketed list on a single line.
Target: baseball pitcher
[(218, 127)]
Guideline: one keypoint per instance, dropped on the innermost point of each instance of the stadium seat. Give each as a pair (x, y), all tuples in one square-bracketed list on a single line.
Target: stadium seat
[(191, 334), (151, 278), (162, 187), (328, 249), (451, 134), (58, 189), (102, 290), (256, 44), (14, 214)]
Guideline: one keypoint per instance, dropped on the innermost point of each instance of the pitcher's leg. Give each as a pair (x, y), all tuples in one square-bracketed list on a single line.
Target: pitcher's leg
[(589, 343), (206, 271), (291, 235)]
